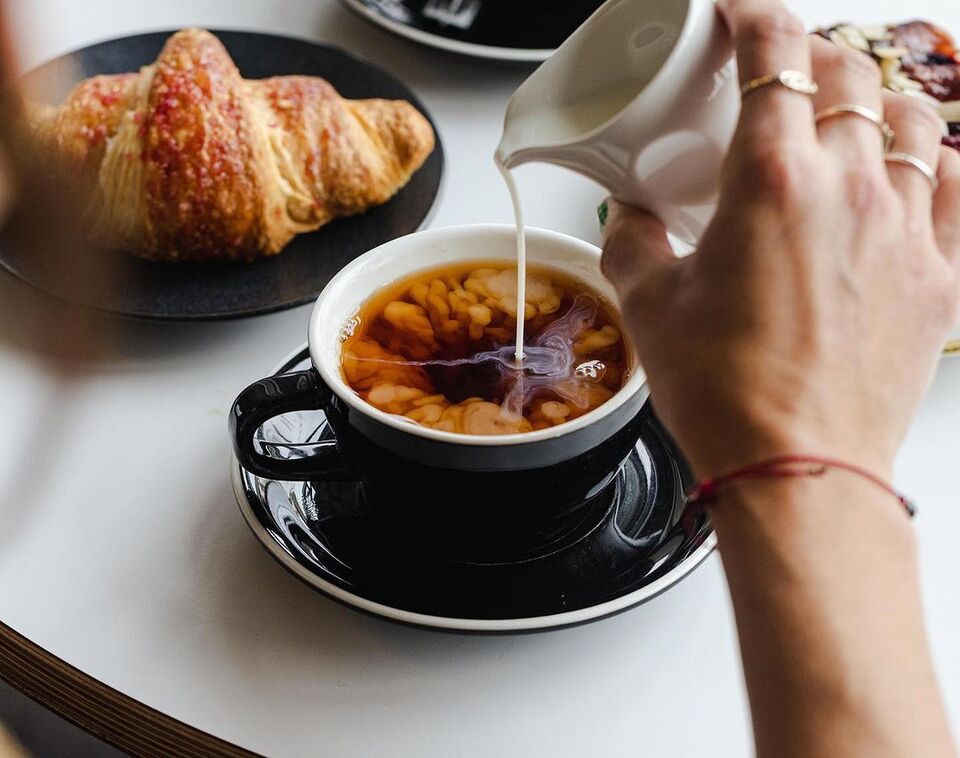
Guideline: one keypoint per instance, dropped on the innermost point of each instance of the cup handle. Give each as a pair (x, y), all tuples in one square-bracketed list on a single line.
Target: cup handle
[(271, 397)]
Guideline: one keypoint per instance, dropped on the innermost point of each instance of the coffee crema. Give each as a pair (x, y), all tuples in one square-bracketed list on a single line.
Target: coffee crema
[(438, 348)]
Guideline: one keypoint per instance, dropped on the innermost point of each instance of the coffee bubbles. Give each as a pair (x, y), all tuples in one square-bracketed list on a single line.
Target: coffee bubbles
[(438, 349)]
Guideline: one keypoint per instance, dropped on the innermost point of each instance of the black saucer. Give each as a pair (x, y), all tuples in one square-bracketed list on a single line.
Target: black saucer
[(192, 291), (523, 30), (631, 544)]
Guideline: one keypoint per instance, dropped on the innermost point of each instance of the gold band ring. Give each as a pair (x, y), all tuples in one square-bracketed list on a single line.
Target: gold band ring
[(914, 162), (852, 109), (792, 80)]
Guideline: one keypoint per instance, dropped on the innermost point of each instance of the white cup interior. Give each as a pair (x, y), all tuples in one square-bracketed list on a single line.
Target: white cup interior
[(343, 297)]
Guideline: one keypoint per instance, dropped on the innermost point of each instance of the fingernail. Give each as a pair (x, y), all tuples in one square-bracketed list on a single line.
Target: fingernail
[(603, 210)]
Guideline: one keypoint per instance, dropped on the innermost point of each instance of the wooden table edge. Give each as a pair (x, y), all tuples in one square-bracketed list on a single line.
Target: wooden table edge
[(101, 710)]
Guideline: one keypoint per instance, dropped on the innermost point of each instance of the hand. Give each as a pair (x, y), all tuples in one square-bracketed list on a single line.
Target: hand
[(811, 317)]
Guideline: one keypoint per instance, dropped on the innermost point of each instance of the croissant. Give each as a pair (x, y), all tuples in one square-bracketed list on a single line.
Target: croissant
[(186, 160)]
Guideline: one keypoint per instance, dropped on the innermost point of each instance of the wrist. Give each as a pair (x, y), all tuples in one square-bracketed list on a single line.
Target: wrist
[(791, 467), (746, 438), (808, 511)]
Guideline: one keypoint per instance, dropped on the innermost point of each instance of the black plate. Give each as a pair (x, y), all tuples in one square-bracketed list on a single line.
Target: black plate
[(523, 30), (636, 542), (191, 291)]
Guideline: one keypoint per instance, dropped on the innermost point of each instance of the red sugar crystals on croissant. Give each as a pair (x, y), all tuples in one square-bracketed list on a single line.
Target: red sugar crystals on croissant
[(186, 160)]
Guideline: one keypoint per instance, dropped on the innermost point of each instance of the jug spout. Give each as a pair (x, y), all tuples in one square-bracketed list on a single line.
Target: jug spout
[(643, 99), (686, 220), (605, 165)]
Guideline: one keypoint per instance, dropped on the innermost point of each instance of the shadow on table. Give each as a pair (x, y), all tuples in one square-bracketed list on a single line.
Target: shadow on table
[(27, 317), (272, 623), (116, 345)]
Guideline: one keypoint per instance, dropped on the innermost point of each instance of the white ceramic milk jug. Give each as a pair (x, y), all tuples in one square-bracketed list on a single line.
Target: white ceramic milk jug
[(643, 98)]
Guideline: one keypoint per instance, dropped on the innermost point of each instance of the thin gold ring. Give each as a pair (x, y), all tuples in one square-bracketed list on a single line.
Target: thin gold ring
[(792, 80), (913, 161), (852, 109)]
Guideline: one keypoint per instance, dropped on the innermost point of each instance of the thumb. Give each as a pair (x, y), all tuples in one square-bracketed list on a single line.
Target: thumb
[(635, 246)]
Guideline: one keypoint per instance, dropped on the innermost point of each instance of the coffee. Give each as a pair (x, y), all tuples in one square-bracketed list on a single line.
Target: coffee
[(438, 348)]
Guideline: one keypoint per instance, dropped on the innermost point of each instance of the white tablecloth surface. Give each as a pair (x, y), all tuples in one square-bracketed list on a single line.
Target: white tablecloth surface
[(123, 552)]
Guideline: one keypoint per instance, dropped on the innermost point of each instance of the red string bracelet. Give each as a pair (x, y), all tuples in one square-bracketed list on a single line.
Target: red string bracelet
[(788, 466)]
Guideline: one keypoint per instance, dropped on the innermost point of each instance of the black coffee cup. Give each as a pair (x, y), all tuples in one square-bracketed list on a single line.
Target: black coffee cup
[(462, 494)]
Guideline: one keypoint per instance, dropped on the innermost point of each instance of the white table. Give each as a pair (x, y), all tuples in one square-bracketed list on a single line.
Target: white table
[(125, 555)]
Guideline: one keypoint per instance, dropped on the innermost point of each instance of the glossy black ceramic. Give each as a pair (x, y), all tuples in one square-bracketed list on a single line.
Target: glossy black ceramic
[(188, 291), (631, 536), (471, 501), (521, 25)]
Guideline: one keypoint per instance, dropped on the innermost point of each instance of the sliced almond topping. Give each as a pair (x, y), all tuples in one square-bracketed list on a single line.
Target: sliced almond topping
[(876, 33), (837, 38), (889, 68), (903, 83), (855, 38), (884, 51)]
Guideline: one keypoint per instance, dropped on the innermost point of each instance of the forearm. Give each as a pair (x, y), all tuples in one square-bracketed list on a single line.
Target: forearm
[(823, 577)]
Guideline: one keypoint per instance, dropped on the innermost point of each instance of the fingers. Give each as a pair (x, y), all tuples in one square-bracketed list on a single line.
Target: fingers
[(919, 130), (946, 205), (635, 248), (769, 39), (847, 77)]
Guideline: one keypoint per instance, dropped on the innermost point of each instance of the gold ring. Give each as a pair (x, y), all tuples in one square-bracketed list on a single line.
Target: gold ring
[(914, 162), (852, 109), (792, 80)]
